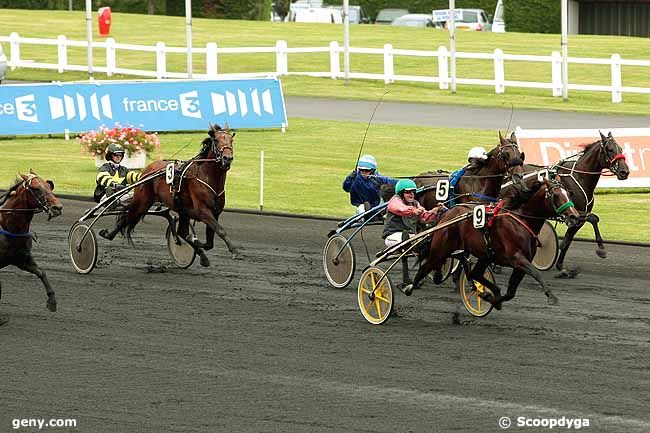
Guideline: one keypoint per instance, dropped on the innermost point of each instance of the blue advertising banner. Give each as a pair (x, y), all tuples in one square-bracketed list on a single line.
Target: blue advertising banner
[(151, 105)]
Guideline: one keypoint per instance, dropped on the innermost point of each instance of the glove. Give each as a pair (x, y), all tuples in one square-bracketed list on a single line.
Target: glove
[(353, 175), (117, 186)]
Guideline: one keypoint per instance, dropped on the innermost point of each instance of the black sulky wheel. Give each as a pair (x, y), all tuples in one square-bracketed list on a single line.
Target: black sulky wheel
[(180, 250), (375, 297), (82, 245), (547, 253), (474, 304), (339, 268)]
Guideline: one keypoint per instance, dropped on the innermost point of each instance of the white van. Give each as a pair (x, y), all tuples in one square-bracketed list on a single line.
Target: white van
[(498, 23), (316, 15)]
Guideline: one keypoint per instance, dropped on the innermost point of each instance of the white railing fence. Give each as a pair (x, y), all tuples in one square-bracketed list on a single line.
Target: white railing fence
[(281, 50)]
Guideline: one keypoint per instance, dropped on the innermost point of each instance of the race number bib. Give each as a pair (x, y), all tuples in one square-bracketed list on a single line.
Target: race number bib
[(541, 175), (479, 217), (169, 173), (442, 190)]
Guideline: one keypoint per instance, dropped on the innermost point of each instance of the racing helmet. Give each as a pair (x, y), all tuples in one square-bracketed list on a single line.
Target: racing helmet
[(477, 153), (114, 149), (367, 162), (404, 184)]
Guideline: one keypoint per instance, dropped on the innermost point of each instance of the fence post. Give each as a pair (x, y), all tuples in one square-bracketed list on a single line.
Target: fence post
[(556, 73), (335, 60), (62, 51), (281, 63), (111, 62), (617, 84), (14, 50), (499, 72), (211, 60), (443, 68), (389, 67), (161, 60)]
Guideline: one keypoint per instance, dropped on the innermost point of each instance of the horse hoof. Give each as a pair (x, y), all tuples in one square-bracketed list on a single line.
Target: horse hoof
[(51, 306), (498, 306), (105, 234), (437, 277), (236, 255), (205, 262), (563, 274), (407, 289), (601, 253), (552, 299)]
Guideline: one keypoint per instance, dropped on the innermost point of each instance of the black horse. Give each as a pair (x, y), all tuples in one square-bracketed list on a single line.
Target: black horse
[(30, 195), (580, 174)]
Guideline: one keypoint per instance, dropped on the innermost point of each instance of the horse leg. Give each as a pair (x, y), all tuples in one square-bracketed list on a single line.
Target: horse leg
[(564, 247), (221, 232), (513, 283), (531, 270), (30, 266), (184, 232), (136, 210), (477, 274), (593, 220)]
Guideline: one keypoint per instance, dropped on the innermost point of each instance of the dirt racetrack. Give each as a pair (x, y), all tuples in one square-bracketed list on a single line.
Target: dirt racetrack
[(264, 344)]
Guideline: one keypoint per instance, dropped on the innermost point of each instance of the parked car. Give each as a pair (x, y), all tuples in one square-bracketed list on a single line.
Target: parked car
[(316, 15), (498, 23), (386, 16), (466, 19), (357, 16), (3, 65), (415, 20)]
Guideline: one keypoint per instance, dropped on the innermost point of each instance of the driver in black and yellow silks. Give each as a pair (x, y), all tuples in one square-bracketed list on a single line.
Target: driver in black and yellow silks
[(112, 176)]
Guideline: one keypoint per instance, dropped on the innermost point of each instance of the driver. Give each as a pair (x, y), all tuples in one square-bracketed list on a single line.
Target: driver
[(477, 156), (113, 176), (402, 217), (364, 184)]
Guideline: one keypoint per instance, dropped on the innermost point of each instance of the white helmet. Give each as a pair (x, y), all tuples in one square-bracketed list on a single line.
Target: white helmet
[(367, 162), (478, 153)]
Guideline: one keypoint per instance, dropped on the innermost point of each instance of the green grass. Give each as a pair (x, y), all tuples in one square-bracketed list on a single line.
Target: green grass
[(305, 166), (144, 29)]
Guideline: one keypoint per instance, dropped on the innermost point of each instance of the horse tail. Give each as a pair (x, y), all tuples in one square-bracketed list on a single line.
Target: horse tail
[(143, 198)]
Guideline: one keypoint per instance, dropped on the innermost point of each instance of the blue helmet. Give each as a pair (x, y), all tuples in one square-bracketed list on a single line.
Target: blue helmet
[(367, 162)]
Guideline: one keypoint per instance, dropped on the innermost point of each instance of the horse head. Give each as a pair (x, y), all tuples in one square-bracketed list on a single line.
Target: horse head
[(40, 195), (509, 159), (557, 201), (611, 156), (219, 145)]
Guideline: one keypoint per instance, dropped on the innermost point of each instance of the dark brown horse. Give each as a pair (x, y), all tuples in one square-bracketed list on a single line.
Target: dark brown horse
[(481, 183), (202, 194), (509, 239), (579, 174), (30, 195)]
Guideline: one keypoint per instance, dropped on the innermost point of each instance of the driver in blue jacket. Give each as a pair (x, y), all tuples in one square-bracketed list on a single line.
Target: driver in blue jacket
[(364, 184)]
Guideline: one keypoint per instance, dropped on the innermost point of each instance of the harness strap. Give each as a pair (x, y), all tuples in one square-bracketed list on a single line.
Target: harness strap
[(15, 235), (520, 221)]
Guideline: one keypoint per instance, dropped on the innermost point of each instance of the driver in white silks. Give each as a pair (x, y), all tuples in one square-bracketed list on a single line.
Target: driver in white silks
[(113, 177), (477, 156)]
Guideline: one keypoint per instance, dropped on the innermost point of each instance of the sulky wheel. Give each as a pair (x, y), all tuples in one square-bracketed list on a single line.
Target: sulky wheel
[(474, 304), (338, 261), (375, 301), (82, 245), (180, 250), (546, 254)]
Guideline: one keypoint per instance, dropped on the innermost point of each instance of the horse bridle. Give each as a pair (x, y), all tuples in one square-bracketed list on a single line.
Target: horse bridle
[(41, 198), (554, 184), (216, 148), (510, 162), (611, 163)]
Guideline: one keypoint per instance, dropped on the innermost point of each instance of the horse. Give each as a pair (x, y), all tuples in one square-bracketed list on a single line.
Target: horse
[(483, 182), (201, 196), (30, 195), (579, 174), (509, 239)]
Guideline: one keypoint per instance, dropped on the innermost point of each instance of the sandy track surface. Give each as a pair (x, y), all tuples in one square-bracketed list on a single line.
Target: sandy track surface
[(265, 344)]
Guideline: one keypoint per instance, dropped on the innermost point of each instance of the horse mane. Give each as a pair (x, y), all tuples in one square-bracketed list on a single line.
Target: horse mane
[(586, 146), (5, 196), (517, 199), (205, 144)]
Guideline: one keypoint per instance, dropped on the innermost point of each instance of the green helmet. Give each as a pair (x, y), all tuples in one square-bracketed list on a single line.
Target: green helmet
[(404, 184), (114, 149)]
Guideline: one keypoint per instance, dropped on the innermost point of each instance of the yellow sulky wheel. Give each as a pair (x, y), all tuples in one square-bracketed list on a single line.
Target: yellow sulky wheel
[(474, 304), (547, 253), (375, 302)]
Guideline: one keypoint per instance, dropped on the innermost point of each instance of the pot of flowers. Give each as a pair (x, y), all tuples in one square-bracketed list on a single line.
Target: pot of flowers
[(136, 142)]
